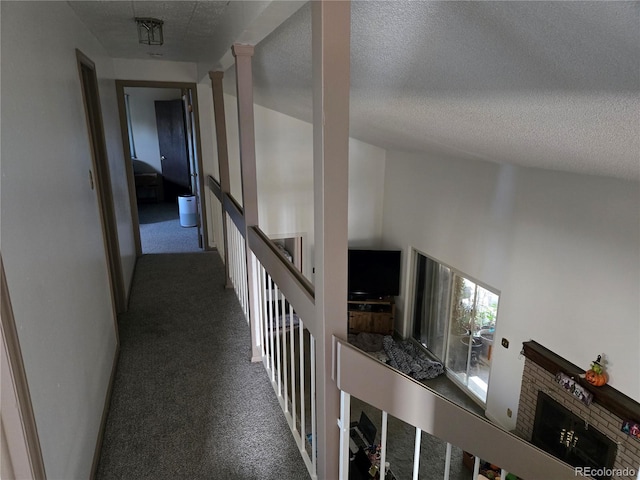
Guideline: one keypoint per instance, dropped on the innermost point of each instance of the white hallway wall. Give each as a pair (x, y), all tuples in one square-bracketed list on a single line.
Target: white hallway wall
[(284, 160), (562, 248), (143, 121), (51, 237)]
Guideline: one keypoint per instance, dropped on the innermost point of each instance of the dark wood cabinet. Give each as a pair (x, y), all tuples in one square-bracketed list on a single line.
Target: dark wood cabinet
[(149, 187), (372, 316)]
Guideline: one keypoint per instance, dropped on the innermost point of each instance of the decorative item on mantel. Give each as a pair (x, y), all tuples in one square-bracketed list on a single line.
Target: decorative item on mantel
[(596, 375), (574, 388), (632, 429)]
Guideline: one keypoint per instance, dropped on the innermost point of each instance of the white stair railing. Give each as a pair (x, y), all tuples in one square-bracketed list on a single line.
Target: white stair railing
[(216, 222), (288, 355), (238, 264)]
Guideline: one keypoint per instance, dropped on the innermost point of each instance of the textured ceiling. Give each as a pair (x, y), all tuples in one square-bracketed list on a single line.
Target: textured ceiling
[(551, 85), (187, 29), (540, 84), (194, 31)]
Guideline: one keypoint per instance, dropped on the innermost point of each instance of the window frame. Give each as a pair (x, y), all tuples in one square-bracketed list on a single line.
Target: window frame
[(410, 319)]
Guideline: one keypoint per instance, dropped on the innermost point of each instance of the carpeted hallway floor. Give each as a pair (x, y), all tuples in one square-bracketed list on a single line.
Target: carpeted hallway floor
[(187, 403), (160, 230)]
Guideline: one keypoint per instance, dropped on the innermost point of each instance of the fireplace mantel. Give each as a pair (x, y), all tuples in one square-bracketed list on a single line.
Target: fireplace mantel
[(610, 398)]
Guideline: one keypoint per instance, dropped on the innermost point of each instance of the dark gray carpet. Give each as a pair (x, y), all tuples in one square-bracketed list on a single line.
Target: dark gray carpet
[(160, 230), (187, 403)]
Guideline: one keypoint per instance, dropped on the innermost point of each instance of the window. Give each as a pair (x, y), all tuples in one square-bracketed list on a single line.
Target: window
[(454, 318)]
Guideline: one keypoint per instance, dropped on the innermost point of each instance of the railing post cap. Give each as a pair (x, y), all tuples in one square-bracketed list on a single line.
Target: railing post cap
[(242, 50)]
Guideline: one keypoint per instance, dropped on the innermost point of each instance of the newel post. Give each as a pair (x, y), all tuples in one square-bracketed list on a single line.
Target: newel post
[(246, 129), (331, 24)]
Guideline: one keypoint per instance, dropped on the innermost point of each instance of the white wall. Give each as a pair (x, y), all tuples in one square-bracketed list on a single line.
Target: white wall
[(207, 130), (51, 237), (143, 121), (366, 194), (284, 161), (233, 145), (154, 70), (209, 159), (563, 249)]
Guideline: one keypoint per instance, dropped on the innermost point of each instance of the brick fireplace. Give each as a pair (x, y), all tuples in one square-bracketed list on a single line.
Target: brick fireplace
[(605, 414)]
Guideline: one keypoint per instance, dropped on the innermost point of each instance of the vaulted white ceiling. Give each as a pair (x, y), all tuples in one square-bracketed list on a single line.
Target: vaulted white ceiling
[(539, 84)]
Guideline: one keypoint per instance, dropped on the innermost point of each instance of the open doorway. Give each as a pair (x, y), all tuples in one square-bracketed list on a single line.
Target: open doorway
[(291, 247), (162, 146)]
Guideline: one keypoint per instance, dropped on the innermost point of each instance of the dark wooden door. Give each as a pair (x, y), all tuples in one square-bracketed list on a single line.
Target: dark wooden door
[(173, 147)]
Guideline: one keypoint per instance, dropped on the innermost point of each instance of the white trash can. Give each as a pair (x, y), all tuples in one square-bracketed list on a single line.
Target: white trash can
[(187, 209)]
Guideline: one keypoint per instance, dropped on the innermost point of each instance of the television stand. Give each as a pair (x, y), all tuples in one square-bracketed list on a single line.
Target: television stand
[(371, 315)]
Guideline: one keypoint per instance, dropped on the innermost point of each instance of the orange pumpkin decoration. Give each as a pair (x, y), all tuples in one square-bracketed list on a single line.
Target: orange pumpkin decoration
[(596, 379), (596, 375)]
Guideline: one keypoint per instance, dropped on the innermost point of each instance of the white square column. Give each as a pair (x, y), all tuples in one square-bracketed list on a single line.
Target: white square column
[(246, 129), (223, 159), (331, 24)]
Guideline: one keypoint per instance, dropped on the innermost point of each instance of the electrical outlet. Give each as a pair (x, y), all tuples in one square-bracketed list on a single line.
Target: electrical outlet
[(509, 412), (505, 343)]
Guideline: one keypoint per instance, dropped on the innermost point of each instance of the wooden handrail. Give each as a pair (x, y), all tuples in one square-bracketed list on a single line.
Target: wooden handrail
[(229, 204), (235, 212), (215, 187), (298, 291)]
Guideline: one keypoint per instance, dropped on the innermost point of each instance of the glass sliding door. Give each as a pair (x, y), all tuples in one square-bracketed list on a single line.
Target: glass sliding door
[(470, 342), (431, 304), (454, 318), (458, 352)]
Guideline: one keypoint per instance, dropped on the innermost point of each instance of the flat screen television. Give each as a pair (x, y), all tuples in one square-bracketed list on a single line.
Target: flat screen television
[(374, 273)]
